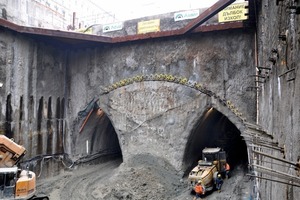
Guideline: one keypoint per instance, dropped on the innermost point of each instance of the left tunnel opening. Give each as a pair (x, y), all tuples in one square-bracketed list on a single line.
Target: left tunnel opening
[(97, 137), (214, 129)]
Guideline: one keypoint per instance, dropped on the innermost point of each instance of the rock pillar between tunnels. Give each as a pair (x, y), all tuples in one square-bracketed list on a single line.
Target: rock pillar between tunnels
[(156, 118)]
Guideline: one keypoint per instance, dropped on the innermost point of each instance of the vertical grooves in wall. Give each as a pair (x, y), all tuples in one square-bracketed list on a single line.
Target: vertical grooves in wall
[(8, 118), (30, 124), (39, 127), (49, 127), (58, 121), (21, 116), (1, 122), (60, 141)]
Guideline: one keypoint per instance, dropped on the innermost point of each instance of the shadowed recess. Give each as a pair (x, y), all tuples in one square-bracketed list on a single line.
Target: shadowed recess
[(98, 135), (215, 130)]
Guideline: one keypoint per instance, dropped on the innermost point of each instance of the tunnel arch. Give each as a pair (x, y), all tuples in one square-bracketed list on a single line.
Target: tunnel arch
[(115, 93), (97, 136), (214, 129), (179, 80)]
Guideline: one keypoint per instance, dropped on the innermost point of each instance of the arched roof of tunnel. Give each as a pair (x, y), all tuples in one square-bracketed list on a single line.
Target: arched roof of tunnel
[(76, 38), (224, 106)]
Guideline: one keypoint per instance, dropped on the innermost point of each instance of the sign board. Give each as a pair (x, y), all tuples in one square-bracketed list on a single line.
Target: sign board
[(234, 12), (149, 26), (86, 31), (191, 14), (112, 27)]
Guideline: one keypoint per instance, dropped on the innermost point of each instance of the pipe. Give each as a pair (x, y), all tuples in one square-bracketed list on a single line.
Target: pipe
[(267, 147), (279, 159), (276, 173), (259, 76), (255, 137), (261, 133), (85, 121), (73, 21), (286, 72), (267, 68), (269, 179)]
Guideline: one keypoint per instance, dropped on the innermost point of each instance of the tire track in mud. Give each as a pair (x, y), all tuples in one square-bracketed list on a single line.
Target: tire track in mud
[(79, 183)]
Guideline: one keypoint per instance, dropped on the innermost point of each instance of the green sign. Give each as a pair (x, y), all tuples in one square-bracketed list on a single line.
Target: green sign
[(112, 27), (190, 14)]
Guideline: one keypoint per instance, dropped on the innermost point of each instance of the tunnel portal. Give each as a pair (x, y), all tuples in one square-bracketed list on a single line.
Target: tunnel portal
[(215, 130), (97, 136), (174, 120)]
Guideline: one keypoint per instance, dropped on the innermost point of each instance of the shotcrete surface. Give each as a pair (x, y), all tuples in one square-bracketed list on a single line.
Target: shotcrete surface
[(144, 178)]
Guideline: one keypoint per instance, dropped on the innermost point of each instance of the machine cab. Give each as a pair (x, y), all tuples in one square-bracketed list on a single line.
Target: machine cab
[(216, 156), (8, 178)]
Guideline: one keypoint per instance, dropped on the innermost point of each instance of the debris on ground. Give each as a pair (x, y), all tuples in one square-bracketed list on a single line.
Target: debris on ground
[(144, 178)]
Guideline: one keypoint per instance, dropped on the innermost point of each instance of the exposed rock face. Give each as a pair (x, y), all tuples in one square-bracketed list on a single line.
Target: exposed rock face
[(46, 83), (142, 113), (278, 100), (156, 117), (51, 84)]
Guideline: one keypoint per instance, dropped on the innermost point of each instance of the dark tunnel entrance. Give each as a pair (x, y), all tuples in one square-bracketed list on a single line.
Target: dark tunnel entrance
[(215, 130), (97, 137)]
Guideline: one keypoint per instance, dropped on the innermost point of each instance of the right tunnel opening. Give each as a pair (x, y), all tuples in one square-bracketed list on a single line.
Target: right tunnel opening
[(213, 129)]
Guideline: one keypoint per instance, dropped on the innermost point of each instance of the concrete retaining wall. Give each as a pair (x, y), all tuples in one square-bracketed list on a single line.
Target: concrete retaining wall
[(279, 96), (52, 83)]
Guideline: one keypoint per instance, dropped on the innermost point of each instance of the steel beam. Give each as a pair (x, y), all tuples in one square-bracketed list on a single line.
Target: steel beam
[(193, 26), (207, 14)]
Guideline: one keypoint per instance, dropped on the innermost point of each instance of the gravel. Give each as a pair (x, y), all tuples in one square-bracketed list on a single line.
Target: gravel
[(144, 177)]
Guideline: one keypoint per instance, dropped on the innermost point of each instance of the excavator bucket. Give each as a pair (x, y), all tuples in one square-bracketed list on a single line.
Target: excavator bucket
[(10, 152)]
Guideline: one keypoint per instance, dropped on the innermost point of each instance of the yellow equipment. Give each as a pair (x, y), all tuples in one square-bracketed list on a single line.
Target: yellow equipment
[(15, 183), (212, 164)]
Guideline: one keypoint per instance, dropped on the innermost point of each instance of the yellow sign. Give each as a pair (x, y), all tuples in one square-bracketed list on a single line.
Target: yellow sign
[(234, 12), (149, 26)]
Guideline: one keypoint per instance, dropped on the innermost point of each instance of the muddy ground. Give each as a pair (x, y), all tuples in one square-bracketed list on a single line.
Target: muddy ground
[(144, 178)]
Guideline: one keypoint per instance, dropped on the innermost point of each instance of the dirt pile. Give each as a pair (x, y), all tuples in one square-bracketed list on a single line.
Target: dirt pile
[(145, 177)]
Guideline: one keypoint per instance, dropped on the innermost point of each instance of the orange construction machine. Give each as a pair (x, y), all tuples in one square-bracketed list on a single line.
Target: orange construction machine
[(212, 163), (15, 183)]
